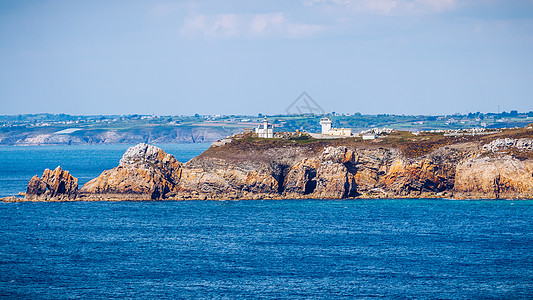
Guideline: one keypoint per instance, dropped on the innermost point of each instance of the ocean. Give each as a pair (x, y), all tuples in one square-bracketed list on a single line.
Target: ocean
[(325, 249)]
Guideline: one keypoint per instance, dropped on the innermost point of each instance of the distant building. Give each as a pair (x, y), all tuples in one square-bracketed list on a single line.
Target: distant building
[(373, 133), (369, 136), (326, 125), (265, 130), (326, 129), (248, 131)]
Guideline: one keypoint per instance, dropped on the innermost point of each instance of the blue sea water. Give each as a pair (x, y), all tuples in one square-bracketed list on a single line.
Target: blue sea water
[(421, 248), (267, 249)]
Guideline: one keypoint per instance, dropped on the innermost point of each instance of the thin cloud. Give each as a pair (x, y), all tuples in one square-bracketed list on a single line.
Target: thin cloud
[(386, 7), (229, 26), (169, 8)]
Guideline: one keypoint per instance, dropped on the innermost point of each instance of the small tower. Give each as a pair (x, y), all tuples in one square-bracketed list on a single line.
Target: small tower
[(326, 125), (265, 130)]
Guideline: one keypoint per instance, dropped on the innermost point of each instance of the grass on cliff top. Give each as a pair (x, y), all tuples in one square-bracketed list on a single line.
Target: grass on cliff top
[(424, 144), (302, 140), (410, 145)]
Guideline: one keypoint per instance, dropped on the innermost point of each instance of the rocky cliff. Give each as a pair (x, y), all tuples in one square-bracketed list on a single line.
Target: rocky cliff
[(498, 166)]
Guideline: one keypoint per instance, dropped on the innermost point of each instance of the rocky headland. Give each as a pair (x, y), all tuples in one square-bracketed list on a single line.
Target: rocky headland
[(89, 136), (399, 166)]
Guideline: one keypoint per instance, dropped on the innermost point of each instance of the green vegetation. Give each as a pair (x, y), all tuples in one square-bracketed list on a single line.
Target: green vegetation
[(306, 122), (15, 128)]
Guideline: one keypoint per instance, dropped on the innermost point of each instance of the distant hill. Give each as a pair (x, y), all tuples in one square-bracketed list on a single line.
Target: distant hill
[(63, 129)]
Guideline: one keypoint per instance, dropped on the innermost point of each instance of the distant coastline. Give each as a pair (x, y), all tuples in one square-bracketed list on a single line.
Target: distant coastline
[(62, 129)]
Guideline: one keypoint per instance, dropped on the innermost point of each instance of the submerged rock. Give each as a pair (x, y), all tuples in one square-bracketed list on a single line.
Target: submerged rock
[(53, 185)]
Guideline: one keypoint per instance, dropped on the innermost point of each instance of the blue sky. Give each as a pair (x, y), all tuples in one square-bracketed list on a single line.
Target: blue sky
[(249, 57)]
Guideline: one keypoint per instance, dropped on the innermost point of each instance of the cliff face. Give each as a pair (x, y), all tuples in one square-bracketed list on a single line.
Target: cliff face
[(462, 170), (331, 173), (53, 185), (501, 170), (500, 177), (238, 171), (261, 169)]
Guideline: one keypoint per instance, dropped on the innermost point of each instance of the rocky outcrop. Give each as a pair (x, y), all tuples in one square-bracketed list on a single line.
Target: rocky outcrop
[(261, 169), (503, 144), (53, 185), (144, 172)]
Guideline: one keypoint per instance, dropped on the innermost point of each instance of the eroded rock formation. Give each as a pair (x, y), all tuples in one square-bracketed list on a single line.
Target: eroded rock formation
[(144, 172), (53, 185)]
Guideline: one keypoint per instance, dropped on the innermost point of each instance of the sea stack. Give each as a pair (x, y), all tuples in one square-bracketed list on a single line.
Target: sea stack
[(53, 185)]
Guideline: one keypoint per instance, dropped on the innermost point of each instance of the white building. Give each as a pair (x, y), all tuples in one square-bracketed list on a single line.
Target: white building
[(374, 133), (369, 136), (265, 130), (326, 129), (326, 125)]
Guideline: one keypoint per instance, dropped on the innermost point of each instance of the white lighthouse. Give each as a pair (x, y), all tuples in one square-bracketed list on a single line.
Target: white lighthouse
[(326, 125), (327, 130), (265, 130)]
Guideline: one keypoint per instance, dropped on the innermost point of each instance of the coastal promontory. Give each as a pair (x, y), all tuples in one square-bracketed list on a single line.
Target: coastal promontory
[(401, 165)]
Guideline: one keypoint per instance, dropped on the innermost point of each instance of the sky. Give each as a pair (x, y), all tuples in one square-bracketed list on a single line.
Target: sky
[(253, 56)]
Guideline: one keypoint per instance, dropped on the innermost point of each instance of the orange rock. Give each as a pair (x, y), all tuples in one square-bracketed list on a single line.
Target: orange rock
[(494, 177), (53, 185), (143, 170)]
